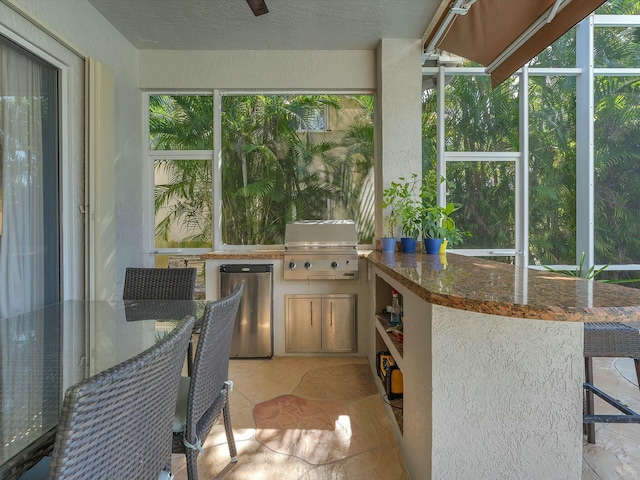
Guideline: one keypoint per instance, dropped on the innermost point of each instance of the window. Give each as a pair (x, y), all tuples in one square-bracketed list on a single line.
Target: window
[(552, 169), (181, 149), (481, 150), (279, 162), (273, 172), (617, 170)]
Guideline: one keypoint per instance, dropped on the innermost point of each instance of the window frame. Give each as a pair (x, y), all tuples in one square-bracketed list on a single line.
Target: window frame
[(151, 156)]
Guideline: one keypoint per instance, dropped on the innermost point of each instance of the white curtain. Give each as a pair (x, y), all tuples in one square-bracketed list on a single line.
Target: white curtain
[(22, 239), (23, 339)]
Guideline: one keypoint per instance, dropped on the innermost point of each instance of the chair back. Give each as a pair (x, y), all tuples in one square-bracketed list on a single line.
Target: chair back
[(211, 363), (159, 283), (118, 424)]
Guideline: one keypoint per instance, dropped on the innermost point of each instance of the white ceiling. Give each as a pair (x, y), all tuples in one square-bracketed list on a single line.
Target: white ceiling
[(289, 25)]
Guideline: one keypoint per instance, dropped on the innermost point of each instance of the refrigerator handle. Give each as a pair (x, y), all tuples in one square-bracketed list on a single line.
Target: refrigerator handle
[(311, 312)]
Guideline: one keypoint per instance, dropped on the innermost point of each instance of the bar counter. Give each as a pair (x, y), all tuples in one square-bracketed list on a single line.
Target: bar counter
[(492, 362), (485, 286)]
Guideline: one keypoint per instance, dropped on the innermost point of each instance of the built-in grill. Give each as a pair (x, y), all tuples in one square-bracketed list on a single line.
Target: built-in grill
[(321, 250)]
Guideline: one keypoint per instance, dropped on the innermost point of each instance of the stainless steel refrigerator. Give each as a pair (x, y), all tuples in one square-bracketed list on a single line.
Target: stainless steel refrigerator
[(252, 333)]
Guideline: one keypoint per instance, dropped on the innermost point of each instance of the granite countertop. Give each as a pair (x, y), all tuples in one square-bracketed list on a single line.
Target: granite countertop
[(485, 286)]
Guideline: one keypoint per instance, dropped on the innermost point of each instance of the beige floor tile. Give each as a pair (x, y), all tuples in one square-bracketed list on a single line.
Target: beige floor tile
[(317, 431), (615, 456), (353, 440), (369, 416), (337, 382)]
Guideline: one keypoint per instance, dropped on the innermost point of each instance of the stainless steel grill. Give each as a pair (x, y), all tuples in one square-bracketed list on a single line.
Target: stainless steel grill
[(321, 250)]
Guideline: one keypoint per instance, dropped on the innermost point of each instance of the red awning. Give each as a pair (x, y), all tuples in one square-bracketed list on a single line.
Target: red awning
[(503, 35)]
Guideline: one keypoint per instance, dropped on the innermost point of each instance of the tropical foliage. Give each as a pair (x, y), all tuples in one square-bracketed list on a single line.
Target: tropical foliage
[(485, 120), (280, 162)]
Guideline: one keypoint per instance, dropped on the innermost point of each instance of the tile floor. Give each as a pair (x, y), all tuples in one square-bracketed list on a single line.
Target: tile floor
[(317, 418), (302, 418)]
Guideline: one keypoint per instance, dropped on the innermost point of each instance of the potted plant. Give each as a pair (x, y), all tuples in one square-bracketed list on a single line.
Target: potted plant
[(438, 225), (404, 199), (411, 226), (431, 228), (390, 219), (389, 240)]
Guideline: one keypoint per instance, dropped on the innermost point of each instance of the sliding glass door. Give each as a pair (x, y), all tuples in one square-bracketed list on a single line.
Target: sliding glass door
[(29, 182)]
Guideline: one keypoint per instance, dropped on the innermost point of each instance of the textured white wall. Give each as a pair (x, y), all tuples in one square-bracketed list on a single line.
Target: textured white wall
[(507, 397), (399, 140), (261, 70)]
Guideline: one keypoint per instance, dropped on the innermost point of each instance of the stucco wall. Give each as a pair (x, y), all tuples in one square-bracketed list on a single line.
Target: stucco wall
[(399, 136), (506, 397), (258, 70)]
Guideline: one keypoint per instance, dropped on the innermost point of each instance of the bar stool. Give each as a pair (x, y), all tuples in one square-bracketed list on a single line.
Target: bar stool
[(607, 339)]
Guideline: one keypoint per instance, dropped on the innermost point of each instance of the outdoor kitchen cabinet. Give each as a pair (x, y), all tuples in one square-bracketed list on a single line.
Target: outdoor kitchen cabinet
[(321, 323)]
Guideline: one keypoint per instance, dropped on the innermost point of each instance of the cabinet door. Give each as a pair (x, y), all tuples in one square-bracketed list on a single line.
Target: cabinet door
[(304, 323), (339, 323)]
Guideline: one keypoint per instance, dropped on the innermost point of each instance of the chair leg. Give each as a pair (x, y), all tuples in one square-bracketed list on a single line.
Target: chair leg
[(192, 463), (589, 428), (226, 415)]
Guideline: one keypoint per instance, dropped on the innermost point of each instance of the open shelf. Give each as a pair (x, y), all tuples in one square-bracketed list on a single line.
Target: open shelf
[(388, 342), (393, 407), (395, 347)]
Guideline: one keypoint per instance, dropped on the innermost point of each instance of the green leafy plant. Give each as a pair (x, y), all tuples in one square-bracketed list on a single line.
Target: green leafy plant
[(390, 221), (403, 198), (412, 202), (590, 274), (437, 221)]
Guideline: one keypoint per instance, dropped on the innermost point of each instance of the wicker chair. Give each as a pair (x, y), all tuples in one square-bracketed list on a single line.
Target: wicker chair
[(116, 424), (205, 394), (161, 284), (607, 339)]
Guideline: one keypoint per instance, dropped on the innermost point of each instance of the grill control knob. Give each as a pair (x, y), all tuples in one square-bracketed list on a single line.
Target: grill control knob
[(334, 264), (292, 265), (307, 265)]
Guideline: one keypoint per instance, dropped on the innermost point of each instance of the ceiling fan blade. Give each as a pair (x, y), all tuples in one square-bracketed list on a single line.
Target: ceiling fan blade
[(258, 7)]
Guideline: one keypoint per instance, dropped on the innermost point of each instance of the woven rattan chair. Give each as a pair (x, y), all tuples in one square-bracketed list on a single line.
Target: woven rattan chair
[(205, 394), (607, 339), (161, 284), (117, 424)]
